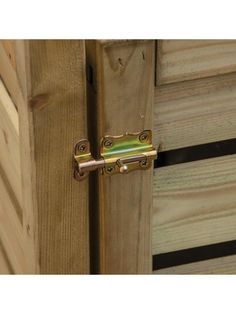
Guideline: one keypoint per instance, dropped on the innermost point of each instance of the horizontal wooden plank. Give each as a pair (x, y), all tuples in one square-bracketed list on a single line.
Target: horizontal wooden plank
[(9, 143), (220, 265), (180, 60), (11, 231), (194, 204), (195, 112)]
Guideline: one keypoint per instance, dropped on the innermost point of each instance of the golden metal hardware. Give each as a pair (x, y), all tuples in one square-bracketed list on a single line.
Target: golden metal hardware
[(118, 154)]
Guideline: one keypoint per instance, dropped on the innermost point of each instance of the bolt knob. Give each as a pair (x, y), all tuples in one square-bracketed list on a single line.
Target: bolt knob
[(124, 168)]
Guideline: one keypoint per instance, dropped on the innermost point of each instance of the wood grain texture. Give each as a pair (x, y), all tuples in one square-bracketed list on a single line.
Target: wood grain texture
[(9, 142), (46, 82), (11, 231), (12, 78), (180, 60), (122, 92), (9, 46), (195, 112), (8, 72), (222, 266), (5, 266), (194, 204), (19, 78), (57, 99)]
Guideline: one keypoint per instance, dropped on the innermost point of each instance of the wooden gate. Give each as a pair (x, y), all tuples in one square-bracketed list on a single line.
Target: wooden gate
[(178, 216)]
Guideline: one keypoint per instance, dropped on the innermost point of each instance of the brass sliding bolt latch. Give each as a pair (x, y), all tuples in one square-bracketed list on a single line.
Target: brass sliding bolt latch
[(118, 154)]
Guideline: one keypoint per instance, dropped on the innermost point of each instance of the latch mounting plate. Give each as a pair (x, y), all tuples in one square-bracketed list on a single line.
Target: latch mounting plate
[(118, 154)]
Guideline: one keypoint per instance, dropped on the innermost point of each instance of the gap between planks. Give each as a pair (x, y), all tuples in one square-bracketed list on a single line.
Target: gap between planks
[(221, 265)]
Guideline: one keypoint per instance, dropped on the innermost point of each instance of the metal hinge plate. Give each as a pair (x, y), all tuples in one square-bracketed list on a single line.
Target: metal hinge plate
[(118, 154)]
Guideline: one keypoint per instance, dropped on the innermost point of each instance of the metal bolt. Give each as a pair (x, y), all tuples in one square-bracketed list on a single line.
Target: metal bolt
[(108, 143), (124, 169), (143, 137)]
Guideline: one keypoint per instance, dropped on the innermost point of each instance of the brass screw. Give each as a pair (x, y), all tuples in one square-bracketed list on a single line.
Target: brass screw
[(108, 143), (143, 163), (109, 169), (143, 137), (82, 148)]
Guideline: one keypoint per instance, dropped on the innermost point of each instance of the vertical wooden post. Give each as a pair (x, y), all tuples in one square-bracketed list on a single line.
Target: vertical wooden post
[(13, 77), (121, 75), (47, 83), (57, 98)]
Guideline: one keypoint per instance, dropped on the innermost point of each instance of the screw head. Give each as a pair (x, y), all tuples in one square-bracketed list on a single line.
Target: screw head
[(108, 143), (143, 164), (82, 148), (143, 137), (109, 169)]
